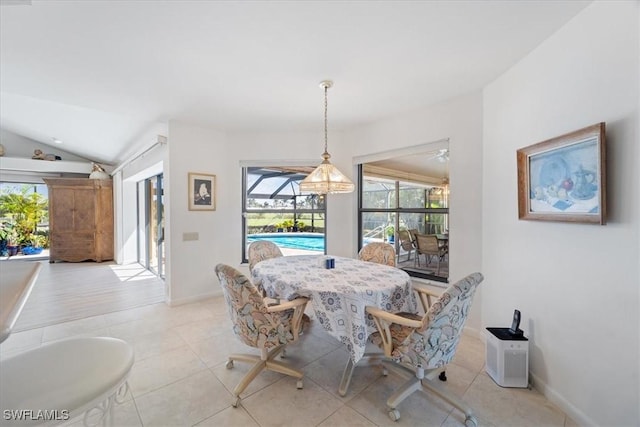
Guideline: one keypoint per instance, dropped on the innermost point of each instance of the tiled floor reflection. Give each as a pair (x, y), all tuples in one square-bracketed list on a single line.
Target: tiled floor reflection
[(179, 378)]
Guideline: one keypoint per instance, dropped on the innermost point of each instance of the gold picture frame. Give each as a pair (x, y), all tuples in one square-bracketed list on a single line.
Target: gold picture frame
[(202, 192), (563, 178)]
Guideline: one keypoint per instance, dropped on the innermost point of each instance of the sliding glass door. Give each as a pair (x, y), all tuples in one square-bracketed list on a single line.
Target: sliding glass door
[(151, 224)]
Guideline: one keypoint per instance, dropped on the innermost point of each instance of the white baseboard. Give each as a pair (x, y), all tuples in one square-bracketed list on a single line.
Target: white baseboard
[(579, 417)]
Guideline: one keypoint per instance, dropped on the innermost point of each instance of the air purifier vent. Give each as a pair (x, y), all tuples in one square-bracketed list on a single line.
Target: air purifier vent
[(515, 364)]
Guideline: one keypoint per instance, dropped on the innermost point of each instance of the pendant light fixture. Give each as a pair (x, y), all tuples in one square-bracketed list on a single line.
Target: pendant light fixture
[(326, 178)]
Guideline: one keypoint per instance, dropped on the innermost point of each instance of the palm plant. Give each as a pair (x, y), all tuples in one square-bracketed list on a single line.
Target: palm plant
[(25, 211)]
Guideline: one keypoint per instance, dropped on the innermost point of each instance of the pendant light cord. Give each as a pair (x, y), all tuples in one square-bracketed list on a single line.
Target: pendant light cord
[(326, 178), (325, 119)]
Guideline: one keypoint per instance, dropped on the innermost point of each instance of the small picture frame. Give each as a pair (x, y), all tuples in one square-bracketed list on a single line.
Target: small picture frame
[(563, 178), (202, 192)]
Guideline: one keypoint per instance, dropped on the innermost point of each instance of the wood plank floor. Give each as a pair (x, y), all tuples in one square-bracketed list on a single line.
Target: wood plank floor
[(69, 291)]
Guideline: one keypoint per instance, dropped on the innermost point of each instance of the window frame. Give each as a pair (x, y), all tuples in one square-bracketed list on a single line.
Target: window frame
[(397, 211), (245, 210)]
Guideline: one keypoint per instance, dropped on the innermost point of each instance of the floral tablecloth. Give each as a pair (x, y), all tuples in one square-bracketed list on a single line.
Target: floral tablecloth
[(339, 295)]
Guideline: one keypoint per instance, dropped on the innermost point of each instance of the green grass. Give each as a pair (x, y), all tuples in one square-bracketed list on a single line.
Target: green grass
[(264, 219)]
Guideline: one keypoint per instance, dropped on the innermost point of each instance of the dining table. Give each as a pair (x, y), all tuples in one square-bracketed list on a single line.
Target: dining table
[(339, 295)]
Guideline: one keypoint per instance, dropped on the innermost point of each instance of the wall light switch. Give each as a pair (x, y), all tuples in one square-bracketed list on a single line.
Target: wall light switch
[(190, 236)]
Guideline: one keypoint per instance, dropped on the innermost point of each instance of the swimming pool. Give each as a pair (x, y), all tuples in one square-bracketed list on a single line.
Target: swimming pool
[(307, 241)]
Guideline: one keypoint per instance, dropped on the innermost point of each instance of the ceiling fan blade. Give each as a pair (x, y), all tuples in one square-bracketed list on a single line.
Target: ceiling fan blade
[(441, 155)]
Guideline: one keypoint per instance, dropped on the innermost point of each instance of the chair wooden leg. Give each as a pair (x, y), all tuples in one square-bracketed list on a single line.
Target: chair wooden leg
[(406, 390), (262, 362), (431, 385), (249, 376), (249, 358), (428, 384), (403, 371), (282, 368)]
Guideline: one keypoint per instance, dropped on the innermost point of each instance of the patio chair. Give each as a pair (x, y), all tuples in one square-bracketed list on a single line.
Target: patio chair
[(267, 328), (420, 347), (378, 252), (406, 243), (428, 245)]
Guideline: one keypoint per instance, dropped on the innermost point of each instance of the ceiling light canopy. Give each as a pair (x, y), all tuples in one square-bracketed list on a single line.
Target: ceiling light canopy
[(326, 178)]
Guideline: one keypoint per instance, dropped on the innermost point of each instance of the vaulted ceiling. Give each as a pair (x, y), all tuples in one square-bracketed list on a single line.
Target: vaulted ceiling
[(97, 74)]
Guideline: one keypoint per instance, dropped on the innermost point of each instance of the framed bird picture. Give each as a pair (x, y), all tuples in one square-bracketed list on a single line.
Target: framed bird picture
[(202, 192)]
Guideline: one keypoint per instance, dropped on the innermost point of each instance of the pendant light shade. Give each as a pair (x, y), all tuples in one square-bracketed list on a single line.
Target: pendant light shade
[(326, 178)]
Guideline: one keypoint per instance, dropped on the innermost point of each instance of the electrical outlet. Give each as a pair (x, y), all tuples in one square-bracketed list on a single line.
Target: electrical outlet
[(192, 235)]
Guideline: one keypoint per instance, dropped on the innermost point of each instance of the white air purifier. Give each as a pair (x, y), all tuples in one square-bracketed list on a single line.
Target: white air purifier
[(507, 358)]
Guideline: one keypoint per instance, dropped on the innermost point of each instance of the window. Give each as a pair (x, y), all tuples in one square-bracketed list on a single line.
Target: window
[(24, 218), (397, 202), (274, 209)]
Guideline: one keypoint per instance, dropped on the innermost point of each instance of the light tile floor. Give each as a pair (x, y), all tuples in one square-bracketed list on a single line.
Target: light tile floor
[(179, 377)]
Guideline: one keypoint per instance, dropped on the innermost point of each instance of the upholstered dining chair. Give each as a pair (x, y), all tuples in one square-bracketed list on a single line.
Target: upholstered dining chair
[(260, 250), (420, 347), (378, 252), (428, 245), (267, 328)]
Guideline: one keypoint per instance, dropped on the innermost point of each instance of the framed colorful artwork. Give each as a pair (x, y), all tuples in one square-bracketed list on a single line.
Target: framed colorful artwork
[(563, 178)]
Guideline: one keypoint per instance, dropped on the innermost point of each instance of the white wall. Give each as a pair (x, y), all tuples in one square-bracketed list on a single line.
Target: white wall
[(576, 284), (19, 146), (190, 266), (460, 120)]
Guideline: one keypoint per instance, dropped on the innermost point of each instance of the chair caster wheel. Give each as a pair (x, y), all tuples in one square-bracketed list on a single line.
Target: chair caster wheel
[(442, 376), (394, 414), (236, 402), (470, 421), (299, 385), (229, 364)]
